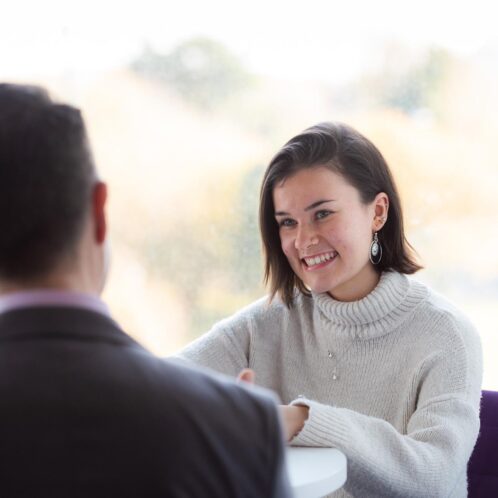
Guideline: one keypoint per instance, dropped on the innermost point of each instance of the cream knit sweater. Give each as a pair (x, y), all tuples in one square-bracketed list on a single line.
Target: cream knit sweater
[(405, 406)]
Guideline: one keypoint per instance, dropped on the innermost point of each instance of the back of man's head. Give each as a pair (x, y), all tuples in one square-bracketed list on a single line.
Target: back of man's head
[(46, 178)]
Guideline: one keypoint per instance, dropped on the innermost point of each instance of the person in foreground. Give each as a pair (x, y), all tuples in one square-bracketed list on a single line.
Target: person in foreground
[(85, 410), (366, 359)]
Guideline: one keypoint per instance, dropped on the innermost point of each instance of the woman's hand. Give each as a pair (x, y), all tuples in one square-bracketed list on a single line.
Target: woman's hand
[(293, 418), (246, 375)]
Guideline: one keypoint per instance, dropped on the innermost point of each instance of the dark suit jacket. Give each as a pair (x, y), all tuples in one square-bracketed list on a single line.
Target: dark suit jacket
[(86, 411)]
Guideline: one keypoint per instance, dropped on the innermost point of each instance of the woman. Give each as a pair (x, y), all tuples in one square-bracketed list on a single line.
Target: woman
[(365, 359)]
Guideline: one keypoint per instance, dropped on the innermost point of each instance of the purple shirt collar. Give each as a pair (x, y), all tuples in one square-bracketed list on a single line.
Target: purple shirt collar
[(54, 298)]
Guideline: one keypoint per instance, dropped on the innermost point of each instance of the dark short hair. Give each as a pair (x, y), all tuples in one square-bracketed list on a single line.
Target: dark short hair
[(46, 179), (345, 151)]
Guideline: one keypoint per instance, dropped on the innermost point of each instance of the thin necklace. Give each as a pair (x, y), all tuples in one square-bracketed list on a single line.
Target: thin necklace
[(338, 359)]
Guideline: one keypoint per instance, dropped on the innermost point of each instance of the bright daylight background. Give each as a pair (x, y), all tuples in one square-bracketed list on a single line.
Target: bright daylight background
[(187, 101)]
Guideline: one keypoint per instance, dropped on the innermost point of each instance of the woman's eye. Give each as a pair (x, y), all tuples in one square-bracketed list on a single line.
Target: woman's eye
[(322, 214), (287, 222)]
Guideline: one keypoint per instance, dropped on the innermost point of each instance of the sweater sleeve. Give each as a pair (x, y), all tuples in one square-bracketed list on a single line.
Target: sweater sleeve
[(225, 348), (431, 458)]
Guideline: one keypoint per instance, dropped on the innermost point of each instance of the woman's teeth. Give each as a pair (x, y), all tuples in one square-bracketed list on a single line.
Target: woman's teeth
[(320, 259)]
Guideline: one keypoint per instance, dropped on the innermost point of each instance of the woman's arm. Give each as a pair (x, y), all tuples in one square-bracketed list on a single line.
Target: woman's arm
[(427, 461), (431, 458), (225, 348)]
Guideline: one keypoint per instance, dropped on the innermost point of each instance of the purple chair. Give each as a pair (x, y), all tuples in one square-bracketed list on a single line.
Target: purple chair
[(483, 464)]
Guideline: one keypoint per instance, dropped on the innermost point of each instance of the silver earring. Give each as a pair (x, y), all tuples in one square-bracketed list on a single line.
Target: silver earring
[(375, 254)]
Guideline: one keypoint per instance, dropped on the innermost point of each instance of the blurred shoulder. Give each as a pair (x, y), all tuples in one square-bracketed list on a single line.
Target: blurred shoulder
[(189, 384)]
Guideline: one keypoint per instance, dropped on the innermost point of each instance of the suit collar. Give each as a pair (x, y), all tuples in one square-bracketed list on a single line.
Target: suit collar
[(61, 322), (35, 298)]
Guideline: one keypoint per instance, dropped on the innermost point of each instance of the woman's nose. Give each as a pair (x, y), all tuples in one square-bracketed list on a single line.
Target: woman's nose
[(306, 237)]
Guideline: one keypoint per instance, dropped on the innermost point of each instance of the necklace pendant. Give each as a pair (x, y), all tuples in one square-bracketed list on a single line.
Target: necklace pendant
[(335, 376), (329, 354)]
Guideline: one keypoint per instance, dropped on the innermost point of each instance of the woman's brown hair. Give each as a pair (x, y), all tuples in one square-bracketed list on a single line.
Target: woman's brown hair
[(345, 151)]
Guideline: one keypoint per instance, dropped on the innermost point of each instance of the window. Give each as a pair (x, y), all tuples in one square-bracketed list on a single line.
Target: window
[(187, 102)]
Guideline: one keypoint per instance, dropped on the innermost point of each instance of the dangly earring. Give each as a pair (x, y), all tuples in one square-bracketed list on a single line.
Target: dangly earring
[(375, 254)]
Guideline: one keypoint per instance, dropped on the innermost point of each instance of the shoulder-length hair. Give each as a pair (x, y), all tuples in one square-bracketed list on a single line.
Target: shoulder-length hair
[(345, 151)]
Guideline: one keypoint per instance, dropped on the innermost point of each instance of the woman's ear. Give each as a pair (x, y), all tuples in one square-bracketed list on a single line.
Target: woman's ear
[(381, 209)]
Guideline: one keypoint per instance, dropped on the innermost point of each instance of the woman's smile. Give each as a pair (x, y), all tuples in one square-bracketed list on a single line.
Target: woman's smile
[(319, 261)]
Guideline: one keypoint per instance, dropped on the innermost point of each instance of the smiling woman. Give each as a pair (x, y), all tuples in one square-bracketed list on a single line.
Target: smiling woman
[(364, 358)]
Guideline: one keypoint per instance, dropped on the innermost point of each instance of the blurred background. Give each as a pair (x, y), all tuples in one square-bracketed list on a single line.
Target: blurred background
[(186, 103)]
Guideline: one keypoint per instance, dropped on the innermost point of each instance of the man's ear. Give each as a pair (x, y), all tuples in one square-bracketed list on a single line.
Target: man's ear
[(99, 198)]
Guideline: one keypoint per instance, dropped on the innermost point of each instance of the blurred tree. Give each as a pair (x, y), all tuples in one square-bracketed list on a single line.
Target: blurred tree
[(246, 263), (403, 82), (420, 85), (203, 71), (186, 259), (211, 254)]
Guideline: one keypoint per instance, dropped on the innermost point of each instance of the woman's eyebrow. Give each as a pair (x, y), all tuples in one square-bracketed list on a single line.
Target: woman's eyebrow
[(318, 203), (311, 206)]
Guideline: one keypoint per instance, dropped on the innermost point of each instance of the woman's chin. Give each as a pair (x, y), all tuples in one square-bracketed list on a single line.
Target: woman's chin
[(321, 287)]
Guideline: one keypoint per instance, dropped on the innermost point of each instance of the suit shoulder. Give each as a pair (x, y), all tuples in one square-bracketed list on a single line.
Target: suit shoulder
[(185, 381)]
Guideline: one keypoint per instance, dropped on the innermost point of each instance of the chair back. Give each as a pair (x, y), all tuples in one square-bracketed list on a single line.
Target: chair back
[(483, 464)]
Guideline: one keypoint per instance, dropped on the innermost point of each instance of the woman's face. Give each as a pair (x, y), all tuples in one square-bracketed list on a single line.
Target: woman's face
[(326, 232)]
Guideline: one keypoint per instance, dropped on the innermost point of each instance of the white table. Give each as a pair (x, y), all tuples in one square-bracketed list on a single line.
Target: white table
[(315, 472)]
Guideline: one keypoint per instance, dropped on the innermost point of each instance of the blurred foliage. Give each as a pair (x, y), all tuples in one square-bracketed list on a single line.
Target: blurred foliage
[(203, 71), (198, 254), (420, 85), (246, 263), (403, 82)]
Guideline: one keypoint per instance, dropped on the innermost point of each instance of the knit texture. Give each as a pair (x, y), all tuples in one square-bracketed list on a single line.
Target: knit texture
[(405, 406)]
